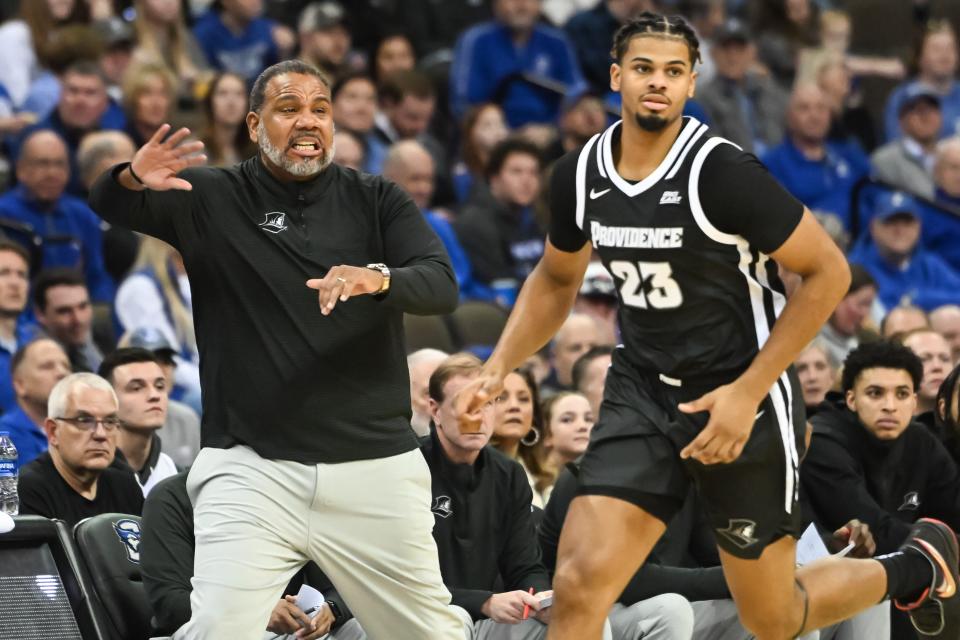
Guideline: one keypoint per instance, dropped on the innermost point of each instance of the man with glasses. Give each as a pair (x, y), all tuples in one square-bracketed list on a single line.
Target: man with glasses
[(73, 480)]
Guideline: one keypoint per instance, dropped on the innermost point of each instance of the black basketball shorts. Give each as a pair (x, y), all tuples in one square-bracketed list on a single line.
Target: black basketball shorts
[(634, 455)]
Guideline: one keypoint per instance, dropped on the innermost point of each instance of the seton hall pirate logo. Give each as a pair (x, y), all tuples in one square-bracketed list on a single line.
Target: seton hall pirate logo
[(442, 506), (740, 532), (274, 222)]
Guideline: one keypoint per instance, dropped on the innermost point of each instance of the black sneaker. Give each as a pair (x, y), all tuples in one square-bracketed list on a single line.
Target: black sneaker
[(936, 613)]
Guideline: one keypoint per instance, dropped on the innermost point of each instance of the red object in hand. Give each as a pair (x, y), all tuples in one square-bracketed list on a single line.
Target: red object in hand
[(526, 607)]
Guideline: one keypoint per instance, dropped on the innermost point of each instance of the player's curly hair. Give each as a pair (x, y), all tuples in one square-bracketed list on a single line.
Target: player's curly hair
[(881, 354), (657, 26)]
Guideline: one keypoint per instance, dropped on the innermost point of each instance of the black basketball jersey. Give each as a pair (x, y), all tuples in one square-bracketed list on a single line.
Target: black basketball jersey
[(688, 247)]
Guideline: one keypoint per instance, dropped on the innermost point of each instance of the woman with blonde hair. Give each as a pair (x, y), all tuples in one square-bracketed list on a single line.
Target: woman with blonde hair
[(156, 294), (163, 36), (149, 95)]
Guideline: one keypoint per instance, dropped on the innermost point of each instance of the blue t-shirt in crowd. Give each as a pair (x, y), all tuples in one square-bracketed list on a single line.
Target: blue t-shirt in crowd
[(470, 289), (28, 437), (822, 185), (24, 333), (949, 108), (926, 280), (941, 231), (487, 64), (246, 54), (71, 236)]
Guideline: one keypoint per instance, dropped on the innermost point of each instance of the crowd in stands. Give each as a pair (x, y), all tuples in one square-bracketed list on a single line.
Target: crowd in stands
[(465, 104)]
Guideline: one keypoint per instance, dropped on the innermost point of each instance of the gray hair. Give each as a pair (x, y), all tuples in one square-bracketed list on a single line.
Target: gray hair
[(824, 347), (98, 146), (60, 394), (426, 355)]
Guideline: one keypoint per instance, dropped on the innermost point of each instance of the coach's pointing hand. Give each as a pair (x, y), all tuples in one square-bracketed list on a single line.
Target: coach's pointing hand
[(343, 282), (733, 411), (156, 164), (475, 398)]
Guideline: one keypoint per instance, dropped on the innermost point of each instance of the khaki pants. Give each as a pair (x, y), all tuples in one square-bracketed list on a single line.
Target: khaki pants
[(367, 524)]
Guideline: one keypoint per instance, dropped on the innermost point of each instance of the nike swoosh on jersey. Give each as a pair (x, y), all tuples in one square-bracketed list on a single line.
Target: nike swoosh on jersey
[(594, 194)]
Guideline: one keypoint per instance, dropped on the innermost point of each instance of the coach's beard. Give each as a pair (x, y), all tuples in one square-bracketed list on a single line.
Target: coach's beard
[(303, 168), (651, 122)]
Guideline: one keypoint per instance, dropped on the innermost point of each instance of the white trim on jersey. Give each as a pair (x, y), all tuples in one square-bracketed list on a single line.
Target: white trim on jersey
[(581, 179), (632, 190), (683, 156), (603, 136), (782, 401)]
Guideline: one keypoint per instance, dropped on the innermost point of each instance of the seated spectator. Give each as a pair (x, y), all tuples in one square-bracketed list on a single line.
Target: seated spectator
[(166, 561), (14, 331), (745, 107), (410, 165), (941, 230), (325, 38), (98, 152), (181, 430), (820, 173), (945, 320), (61, 304), (226, 140), (83, 107), (498, 229), (785, 28), (868, 460), (69, 230), (580, 119), (597, 298), (590, 374), (517, 427), (74, 479), (119, 39), (947, 414), (905, 272), (350, 151), (141, 389), (934, 352), (568, 419), (903, 319), (421, 364), (845, 329), (393, 53), (484, 527), (149, 96), (937, 68), (36, 368), (162, 37), (577, 335), (484, 127), (492, 58), (907, 162), (590, 33), (236, 37), (156, 294), (817, 371), (850, 119), (354, 98)]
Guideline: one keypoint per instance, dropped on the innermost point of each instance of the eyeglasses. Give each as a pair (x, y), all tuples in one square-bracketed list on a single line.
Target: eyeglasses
[(89, 423)]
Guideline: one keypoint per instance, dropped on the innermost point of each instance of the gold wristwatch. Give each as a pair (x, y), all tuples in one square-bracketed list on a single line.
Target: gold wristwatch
[(385, 272)]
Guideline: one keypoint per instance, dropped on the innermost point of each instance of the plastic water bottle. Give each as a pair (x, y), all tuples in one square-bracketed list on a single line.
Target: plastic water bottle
[(9, 471)]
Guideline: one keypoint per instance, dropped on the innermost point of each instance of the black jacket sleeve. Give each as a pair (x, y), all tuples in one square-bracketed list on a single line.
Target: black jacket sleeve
[(166, 553), (943, 490), (149, 212), (422, 280), (520, 563), (693, 583), (838, 493)]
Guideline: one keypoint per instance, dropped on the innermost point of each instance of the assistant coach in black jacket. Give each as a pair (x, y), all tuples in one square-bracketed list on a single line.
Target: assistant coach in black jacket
[(868, 460), (308, 451)]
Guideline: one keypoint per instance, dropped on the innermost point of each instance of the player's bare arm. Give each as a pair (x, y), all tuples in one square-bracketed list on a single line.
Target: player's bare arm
[(811, 253), (543, 304)]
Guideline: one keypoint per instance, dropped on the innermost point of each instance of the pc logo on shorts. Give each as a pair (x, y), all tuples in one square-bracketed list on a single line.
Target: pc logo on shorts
[(442, 506), (129, 533), (740, 532), (274, 222)]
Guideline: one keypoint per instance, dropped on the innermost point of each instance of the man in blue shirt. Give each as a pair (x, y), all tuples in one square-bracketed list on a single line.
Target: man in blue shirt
[(237, 38), (36, 368), (14, 331), (68, 229), (490, 58), (905, 272), (819, 173), (941, 230)]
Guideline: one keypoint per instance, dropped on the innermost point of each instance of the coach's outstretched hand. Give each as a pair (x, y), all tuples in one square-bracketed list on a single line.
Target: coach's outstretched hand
[(158, 162), (732, 414)]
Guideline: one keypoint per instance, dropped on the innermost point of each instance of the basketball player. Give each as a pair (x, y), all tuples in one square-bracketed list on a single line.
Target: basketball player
[(693, 228)]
